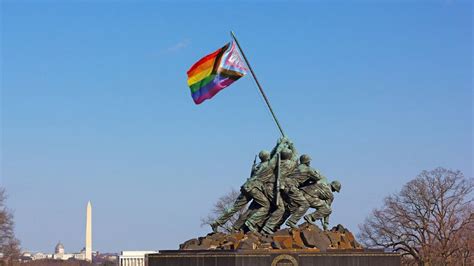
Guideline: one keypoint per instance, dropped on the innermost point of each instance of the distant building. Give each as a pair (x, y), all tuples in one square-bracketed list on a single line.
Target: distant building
[(41, 256), (59, 254), (106, 258), (26, 256), (133, 258)]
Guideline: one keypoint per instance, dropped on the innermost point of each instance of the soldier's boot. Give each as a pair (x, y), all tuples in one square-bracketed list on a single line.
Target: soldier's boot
[(291, 224), (309, 219), (237, 228), (214, 225), (325, 225), (251, 227), (233, 230), (267, 230)]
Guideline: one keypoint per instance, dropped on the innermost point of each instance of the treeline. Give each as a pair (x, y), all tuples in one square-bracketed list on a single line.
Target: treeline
[(9, 245), (430, 221)]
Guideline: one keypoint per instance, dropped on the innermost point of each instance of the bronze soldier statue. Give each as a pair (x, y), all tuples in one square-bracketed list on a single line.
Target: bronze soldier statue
[(288, 163), (320, 197), (253, 189), (280, 189), (244, 196), (297, 203), (264, 175)]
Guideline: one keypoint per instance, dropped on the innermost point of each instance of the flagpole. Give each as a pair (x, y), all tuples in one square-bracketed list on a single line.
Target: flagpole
[(258, 84)]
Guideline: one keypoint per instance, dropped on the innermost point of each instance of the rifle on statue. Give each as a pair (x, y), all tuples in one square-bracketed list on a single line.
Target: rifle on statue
[(254, 166), (277, 182)]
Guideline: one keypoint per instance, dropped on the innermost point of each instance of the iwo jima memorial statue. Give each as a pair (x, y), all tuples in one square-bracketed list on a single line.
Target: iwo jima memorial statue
[(281, 189)]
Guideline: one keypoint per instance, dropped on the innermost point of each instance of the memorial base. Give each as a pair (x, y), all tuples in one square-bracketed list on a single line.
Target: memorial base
[(272, 258)]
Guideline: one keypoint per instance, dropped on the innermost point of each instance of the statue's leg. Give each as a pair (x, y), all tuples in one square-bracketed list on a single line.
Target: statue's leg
[(288, 210), (325, 222), (244, 216), (261, 213), (285, 216), (269, 194), (300, 204), (323, 210), (239, 204), (275, 217), (316, 204)]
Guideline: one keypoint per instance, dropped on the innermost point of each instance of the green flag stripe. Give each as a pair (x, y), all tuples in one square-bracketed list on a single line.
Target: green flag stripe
[(203, 82)]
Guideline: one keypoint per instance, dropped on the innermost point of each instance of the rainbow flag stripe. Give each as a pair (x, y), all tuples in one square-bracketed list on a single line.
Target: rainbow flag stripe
[(215, 72)]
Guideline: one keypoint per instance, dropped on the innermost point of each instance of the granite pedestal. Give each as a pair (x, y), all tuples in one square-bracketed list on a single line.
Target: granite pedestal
[(272, 258)]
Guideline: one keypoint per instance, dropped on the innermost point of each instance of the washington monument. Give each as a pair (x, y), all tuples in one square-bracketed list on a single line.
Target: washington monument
[(89, 232)]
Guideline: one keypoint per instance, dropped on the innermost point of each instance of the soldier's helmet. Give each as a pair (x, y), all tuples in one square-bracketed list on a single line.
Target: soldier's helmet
[(264, 156), (305, 158), (336, 185), (286, 154)]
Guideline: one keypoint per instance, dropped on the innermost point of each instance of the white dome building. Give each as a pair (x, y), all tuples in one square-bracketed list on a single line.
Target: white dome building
[(60, 254), (59, 249)]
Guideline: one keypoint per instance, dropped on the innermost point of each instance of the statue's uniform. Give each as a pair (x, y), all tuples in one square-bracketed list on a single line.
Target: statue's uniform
[(297, 203), (257, 187), (268, 192), (319, 197), (254, 189), (286, 168), (251, 189)]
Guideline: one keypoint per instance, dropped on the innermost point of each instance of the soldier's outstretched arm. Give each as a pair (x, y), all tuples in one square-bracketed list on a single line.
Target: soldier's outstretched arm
[(273, 161), (282, 143), (294, 157)]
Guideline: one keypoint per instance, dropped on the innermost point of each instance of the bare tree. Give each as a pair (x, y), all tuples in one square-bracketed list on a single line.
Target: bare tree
[(9, 245), (430, 221), (223, 203)]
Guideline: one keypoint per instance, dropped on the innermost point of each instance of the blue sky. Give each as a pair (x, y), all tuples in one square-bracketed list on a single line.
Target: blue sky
[(95, 106)]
